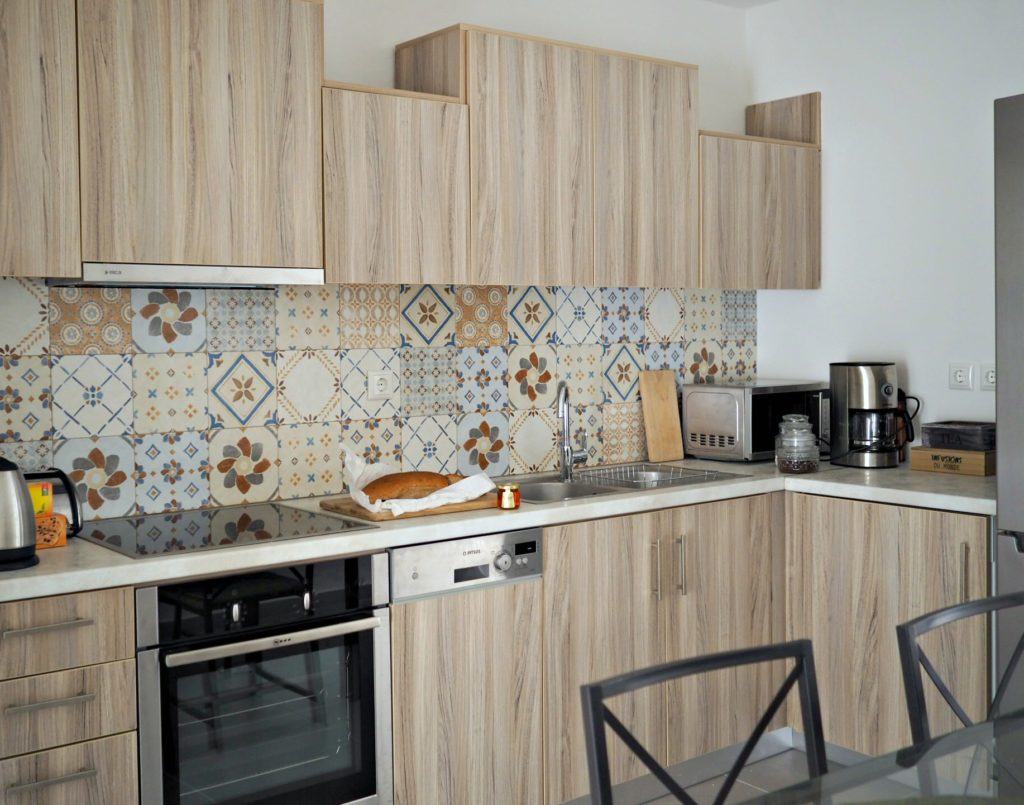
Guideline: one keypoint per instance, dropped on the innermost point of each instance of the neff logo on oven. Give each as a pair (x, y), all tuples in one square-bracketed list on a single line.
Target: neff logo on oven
[(280, 641), (470, 553)]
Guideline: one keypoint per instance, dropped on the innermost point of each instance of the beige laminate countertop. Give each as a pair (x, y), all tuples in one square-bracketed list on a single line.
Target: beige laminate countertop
[(86, 566)]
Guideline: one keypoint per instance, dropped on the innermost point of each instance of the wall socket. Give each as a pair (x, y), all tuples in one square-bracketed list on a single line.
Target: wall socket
[(380, 385), (961, 376), (988, 377)]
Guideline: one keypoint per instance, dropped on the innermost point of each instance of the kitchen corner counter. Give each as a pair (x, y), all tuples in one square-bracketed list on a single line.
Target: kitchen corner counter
[(85, 566)]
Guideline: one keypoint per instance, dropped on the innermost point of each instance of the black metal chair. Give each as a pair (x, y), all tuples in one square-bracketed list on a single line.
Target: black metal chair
[(596, 714), (913, 658)]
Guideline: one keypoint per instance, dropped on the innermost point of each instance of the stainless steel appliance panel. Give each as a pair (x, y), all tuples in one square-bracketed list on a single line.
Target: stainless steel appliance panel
[(1009, 623), (1009, 234)]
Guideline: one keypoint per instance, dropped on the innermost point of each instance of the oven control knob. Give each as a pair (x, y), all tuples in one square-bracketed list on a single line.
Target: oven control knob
[(236, 613), (503, 561)]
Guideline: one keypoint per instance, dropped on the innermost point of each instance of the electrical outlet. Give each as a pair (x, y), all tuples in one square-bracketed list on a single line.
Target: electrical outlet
[(961, 376), (988, 377), (380, 385)]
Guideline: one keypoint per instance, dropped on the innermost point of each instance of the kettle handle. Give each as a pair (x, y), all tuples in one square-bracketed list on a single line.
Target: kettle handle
[(69, 489)]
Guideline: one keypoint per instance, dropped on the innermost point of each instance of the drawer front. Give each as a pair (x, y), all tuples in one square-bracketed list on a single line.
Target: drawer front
[(40, 712), (102, 772), (49, 634)]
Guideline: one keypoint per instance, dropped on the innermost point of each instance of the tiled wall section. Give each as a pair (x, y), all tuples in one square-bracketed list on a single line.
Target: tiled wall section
[(159, 400)]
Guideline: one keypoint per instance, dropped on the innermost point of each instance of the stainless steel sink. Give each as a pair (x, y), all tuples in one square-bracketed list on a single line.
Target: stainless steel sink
[(645, 475), (552, 491)]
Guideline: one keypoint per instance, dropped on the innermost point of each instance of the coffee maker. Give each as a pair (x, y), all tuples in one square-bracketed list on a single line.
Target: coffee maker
[(864, 416)]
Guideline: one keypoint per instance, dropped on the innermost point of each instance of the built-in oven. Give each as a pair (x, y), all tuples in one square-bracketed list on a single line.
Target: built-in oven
[(267, 687)]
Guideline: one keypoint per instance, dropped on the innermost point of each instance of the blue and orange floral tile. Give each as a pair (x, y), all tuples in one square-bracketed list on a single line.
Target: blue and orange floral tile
[(482, 379), (172, 472), (242, 389), (168, 319), (532, 315), (622, 315), (170, 392), (482, 443), (427, 315), (102, 470), (26, 398), (311, 459), (532, 376), (243, 465)]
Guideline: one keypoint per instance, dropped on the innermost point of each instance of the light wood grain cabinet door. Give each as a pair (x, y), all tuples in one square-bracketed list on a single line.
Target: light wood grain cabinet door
[(466, 697), (532, 156), (645, 193), (760, 214), (396, 178), (201, 131), (603, 592), (855, 571), (724, 565), (39, 208)]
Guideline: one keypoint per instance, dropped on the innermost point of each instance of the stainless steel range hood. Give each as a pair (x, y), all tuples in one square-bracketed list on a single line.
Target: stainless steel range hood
[(179, 276)]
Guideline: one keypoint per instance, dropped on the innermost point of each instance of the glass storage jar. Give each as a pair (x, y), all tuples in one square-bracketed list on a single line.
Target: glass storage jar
[(796, 448)]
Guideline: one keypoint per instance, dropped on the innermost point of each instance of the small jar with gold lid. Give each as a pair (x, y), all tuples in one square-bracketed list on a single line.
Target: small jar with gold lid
[(509, 496)]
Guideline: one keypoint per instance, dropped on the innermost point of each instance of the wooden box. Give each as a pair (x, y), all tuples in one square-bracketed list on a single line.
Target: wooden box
[(956, 462)]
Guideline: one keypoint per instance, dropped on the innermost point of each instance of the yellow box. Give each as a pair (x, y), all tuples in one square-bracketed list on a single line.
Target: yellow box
[(955, 462), (42, 497)]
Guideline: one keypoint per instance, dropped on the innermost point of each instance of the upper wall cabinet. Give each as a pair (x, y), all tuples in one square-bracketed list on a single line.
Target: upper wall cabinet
[(396, 178), (531, 146), (583, 161), (39, 216), (761, 199), (200, 131), (646, 203)]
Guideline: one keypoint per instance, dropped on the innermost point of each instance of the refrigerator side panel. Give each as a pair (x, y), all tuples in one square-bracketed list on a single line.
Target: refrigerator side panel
[(1009, 622), (1009, 216)]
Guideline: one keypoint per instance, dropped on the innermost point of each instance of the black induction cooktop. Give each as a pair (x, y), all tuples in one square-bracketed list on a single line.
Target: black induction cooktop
[(208, 529)]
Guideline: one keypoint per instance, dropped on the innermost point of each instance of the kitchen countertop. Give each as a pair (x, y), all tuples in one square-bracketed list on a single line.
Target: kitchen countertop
[(85, 566)]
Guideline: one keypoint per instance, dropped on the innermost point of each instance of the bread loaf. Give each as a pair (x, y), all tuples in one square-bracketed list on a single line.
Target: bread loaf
[(407, 485)]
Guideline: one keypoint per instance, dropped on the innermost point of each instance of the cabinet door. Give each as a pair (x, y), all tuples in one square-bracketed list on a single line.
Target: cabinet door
[(200, 124), (724, 565), (760, 214), (858, 569), (531, 146), (396, 176), (602, 598), (466, 696), (646, 204), (39, 222)]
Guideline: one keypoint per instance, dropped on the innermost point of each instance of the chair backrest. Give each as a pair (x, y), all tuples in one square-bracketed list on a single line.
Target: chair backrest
[(913, 659), (596, 714)]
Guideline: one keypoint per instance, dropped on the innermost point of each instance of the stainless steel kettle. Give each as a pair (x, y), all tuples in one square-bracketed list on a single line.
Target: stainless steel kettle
[(17, 519)]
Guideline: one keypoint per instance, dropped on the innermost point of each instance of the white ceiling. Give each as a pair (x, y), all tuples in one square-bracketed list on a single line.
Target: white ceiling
[(742, 3)]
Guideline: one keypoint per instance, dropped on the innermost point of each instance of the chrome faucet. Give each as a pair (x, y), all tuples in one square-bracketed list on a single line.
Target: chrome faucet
[(570, 457)]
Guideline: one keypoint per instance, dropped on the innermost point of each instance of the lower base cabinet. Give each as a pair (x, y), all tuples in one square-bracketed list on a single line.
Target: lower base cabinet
[(466, 697), (858, 569), (102, 772), (631, 592)]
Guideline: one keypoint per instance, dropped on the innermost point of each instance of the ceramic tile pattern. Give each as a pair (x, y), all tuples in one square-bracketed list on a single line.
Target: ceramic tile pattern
[(161, 399)]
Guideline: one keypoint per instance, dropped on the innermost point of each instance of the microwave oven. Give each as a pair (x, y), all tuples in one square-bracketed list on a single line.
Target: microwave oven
[(740, 422)]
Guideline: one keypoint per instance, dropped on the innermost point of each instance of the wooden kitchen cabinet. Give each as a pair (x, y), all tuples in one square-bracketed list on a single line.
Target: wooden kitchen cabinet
[(466, 697), (726, 567), (532, 175), (858, 569), (39, 223), (760, 213), (396, 178), (646, 171), (201, 132), (619, 596)]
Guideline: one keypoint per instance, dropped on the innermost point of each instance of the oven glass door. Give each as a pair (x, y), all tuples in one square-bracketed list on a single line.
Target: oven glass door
[(286, 724)]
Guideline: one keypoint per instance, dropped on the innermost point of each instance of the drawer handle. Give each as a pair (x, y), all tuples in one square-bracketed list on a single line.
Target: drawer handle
[(656, 550), (965, 561), (50, 627), (67, 778), (84, 698), (681, 565)]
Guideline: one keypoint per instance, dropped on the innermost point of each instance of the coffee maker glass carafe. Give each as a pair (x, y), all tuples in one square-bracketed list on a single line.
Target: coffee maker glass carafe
[(864, 414)]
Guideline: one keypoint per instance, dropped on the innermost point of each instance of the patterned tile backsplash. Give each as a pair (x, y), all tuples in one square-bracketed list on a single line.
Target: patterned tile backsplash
[(162, 400)]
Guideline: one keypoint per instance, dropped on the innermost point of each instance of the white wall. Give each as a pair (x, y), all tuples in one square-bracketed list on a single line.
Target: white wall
[(907, 231), (361, 35)]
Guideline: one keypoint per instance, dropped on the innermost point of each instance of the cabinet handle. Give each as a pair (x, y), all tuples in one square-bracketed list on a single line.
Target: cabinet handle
[(655, 548), (965, 558), (84, 698), (681, 565), (50, 627), (67, 778)]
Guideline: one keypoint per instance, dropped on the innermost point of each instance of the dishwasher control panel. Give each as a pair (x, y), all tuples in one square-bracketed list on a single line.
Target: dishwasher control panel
[(439, 567)]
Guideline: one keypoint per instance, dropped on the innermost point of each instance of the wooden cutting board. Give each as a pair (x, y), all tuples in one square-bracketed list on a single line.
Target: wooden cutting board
[(345, 505), (661, 415)]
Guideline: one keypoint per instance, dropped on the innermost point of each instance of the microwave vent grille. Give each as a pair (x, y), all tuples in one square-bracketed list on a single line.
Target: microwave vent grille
[(713, 440)]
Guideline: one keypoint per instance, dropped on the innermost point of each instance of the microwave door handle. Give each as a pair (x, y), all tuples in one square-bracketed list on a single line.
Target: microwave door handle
[(268, 643)]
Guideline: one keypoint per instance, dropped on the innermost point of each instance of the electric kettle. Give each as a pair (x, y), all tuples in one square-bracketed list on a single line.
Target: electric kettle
[(17, 519)]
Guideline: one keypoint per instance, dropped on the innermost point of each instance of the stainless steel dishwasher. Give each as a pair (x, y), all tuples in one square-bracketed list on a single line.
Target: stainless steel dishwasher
[(466, 669)]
